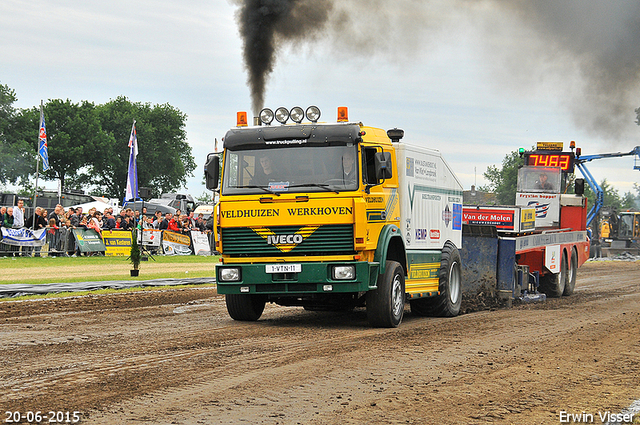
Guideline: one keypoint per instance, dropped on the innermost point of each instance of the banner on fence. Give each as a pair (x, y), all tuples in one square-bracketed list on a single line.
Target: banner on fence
[(88, 240), (117, 242), (200, 243), (23, 237), (176, 243), (150, 238)]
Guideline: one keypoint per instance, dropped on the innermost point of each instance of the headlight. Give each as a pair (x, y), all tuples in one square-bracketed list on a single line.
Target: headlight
[(343, 272), (282, 115), (266, 116), (313, 113), (297, 114), (230, 274)]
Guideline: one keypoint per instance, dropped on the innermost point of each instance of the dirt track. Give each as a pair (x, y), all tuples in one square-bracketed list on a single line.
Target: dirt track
[(175, 357)]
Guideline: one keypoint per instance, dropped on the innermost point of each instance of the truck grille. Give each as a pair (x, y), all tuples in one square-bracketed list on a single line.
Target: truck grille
[(329, 239)]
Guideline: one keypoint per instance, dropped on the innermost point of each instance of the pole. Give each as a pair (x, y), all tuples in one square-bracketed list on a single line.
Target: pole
[(35, 194)]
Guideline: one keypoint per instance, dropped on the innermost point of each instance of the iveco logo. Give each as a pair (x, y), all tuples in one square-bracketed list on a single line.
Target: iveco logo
[(285, 242), (284, 239)]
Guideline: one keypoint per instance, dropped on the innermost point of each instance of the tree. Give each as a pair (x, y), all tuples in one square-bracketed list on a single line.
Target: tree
[(73, 131), (17, 156), (164, 157), (503, 182), (611, 196)]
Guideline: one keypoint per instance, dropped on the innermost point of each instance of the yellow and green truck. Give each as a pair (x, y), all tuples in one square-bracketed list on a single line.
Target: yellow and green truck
[(333, 216)]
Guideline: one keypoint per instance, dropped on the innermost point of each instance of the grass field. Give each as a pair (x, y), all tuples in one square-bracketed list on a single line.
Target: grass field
[(85, 269)]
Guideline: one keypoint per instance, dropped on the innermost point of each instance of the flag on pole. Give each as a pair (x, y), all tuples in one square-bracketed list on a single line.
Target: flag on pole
[(132, 174), (42, 142)]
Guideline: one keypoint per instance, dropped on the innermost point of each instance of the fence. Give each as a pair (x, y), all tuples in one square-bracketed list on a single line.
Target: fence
[(68, 242)]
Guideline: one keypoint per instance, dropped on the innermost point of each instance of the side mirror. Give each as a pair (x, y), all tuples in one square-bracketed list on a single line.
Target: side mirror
[(212, 171), (579, 186), (383, 165)]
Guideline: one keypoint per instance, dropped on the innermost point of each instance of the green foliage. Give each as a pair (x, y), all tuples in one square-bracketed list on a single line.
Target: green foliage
[(88, 144), (135, 255), (164, 156), (17, 156), (503, 182)]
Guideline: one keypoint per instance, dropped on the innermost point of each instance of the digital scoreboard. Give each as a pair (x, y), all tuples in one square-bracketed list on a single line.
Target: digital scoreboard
[(564, 160)]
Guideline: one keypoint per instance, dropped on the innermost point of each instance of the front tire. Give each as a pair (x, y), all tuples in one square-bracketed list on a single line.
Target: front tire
[(385, 305), (245, 307)]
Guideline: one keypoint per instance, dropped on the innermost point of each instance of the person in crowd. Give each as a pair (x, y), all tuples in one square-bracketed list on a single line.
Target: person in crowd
[(119, 222), (136, 217), (3, 211), (95, 222), (209, 223), (108, 223), (200, 223), (185, 224), (7, 217), (77, 217), (147, 222), (58, 215), (53, 236), (36, 222), (18, 214), (157, 219), (174, 225), (164, 225)]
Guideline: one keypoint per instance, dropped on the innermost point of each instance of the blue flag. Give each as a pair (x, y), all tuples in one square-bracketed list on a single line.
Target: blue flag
[(42, 143)]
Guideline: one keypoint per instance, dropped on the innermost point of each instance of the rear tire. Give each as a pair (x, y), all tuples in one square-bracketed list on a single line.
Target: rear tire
[(245, 307), (447, 304), (553, 284), (385, 305), (572, 271)]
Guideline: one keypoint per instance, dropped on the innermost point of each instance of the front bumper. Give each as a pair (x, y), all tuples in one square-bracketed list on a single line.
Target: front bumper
[(314, 278)]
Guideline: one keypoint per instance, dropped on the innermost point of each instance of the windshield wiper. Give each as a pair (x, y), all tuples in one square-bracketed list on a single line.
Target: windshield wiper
[(265, 188), (326, 187)]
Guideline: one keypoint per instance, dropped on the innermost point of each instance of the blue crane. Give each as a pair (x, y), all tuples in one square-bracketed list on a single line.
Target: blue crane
[(580, 163)]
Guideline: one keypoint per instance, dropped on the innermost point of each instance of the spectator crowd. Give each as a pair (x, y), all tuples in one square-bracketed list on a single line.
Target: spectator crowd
[(76, 218)]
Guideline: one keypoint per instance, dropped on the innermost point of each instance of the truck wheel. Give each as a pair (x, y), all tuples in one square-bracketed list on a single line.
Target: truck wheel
[(448, 303), (245, 307), (571, 273), (385, 305), (553, 284)]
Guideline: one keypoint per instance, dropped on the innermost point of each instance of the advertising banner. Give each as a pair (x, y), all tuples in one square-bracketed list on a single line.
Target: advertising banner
[(88, 240), (23, 237), (176, 243), (117, 242), (150, 238), (200, 243)]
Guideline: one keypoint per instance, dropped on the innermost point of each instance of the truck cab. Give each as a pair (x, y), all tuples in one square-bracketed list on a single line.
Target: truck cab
[(309, 215)]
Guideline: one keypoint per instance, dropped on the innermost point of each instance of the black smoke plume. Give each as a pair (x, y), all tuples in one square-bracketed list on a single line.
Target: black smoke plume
[(587, 52), (265, 25)]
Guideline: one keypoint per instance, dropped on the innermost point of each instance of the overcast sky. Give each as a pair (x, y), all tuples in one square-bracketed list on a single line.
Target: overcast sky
[(475, 80)]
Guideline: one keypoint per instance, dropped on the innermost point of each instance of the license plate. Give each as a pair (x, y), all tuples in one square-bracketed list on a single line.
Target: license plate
[(283, 268)]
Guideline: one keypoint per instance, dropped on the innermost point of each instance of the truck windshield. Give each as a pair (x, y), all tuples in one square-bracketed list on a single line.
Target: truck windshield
[(291, 169), (539, 179)]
